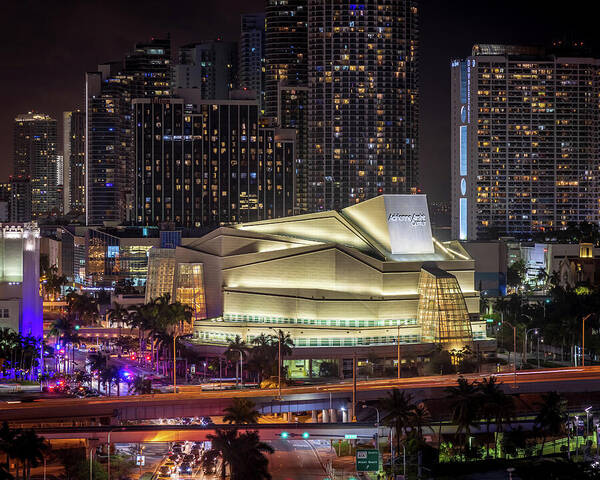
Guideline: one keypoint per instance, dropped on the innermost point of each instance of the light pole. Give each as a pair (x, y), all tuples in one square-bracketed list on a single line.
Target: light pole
[(174, 364), (524, 356), (220, 374), (279, 335), (398, 344), (108, 459), (583, 339), (241, 369), (514, 348), (587, 421), (534, 330), (376, 424)]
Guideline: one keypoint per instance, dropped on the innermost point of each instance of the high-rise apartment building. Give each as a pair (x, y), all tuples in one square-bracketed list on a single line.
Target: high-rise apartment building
[(210, 164), (74, 161), (363, 100), (286, 44), (20, 199), (149, 64), (210, 67), (110, 162), (292, 113), (251, 60), (107, 145), (524, 141), (35, 157)]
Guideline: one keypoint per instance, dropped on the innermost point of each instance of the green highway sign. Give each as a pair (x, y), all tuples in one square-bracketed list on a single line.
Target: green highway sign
[(367, 460), (351, 436)]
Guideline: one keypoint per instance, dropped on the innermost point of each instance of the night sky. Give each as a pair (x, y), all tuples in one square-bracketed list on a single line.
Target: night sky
[(48, 45)]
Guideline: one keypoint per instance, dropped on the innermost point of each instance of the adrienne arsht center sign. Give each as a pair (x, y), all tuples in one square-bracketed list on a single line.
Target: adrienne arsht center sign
[(408, 224)]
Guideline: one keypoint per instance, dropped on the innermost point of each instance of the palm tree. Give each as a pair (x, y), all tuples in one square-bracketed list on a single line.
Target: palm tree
[(250, 461), (83, 308), (236, 351), (399, 412), (10, 341), (241, 411), (97, 363), (465, 404), (7, 441), (552, 416), (180, 314), (420, 418), (53, 282), (118, 314), (495, 405), (222, 446), (111, 374), (30, 449), (141, 385), (244, 454), (64, 330), (513, 440)]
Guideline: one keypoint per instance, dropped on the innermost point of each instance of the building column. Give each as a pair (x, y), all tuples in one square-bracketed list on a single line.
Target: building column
[(310, 372), (340, 364), (325, 413), (314, 416)]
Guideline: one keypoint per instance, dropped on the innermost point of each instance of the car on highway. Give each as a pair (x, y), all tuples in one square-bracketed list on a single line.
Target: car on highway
[(165, 470), (191, 459), (164, 477), (169, 463), (185, 469), (175, 458), (207, 421)]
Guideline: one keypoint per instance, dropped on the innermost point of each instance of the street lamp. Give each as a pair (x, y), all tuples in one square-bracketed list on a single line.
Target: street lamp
[(587, 421), (534, 330), (376, 424), (174, 364), (398, 346), (278, 362), (583, 339), (515, 349)]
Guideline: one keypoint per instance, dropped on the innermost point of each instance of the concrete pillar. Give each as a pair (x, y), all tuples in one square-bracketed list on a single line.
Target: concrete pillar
[(310, 372), (325, 415), (314, 416), (340, 364), (333, 415)]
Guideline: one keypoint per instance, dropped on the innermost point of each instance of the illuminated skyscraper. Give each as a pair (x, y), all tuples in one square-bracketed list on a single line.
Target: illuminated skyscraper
[(210, 164), (74, 161), (110, 162), (524, 141), (209, 67), (285, 49), (150, 66), (251, 61), (363, 100), (36, 158)]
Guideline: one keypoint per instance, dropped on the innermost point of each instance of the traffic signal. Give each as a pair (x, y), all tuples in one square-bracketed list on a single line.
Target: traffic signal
[(77, 327), (285, 435), (305, 435), (147, 358)]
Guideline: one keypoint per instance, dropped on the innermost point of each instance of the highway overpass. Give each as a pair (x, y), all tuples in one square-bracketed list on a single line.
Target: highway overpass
[(193, 402)]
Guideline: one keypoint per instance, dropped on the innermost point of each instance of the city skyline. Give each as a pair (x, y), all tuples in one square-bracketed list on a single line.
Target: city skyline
[(51, 80)]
